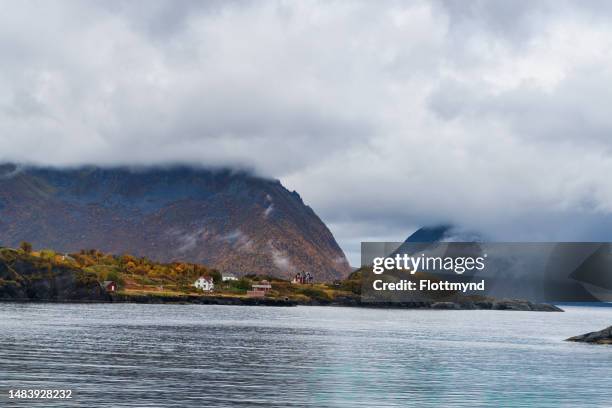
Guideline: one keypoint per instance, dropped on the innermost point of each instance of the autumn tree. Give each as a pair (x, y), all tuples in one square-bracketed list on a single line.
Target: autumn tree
[(26, 247)]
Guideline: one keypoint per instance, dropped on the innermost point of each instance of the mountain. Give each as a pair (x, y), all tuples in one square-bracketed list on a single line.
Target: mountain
[(426, 237), (435, 233), (230, 220)]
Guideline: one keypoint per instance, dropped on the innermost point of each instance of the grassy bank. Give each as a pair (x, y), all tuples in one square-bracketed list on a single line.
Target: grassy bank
[(143, 278)]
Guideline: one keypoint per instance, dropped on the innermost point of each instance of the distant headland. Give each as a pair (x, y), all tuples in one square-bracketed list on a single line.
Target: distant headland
[(27, 274)]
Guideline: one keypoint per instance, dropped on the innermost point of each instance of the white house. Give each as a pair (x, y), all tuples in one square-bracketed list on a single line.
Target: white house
[(229, 277), (204, 283)]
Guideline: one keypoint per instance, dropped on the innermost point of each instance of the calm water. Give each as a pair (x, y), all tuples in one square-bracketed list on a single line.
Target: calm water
[(191, 355)]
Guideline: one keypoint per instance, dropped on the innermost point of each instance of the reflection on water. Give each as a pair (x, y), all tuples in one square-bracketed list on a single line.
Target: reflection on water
[(193, 355)]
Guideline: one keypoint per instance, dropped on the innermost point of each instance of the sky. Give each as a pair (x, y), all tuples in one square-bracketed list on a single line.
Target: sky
[(385, 116)]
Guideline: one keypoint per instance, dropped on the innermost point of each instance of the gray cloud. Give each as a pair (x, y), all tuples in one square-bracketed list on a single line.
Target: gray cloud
[(280, 258), (383, 115)]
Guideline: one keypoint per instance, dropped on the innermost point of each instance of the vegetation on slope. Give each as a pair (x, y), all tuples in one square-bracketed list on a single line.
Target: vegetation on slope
[(140, 276), (28, 275)]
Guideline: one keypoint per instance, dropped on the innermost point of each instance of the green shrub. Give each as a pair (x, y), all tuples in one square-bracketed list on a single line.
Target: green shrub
[(242, 284), (314, 293), (48, 254)]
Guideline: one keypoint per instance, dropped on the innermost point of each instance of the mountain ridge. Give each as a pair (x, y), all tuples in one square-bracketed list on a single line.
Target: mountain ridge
[(232, 220)]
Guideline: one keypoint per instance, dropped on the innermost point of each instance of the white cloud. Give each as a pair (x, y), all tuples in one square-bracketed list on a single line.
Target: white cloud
[(280, 258), (239, 240), (268, 210), (383, 115)]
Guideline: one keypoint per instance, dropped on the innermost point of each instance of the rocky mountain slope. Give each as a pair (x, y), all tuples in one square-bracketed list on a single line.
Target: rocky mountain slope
[(232, 221)]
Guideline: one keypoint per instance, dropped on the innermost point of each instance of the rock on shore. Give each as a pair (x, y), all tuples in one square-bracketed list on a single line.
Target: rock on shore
[(599, 337), (27, 278)]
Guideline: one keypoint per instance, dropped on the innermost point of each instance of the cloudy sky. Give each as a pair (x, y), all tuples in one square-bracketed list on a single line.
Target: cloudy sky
[(495, 116)]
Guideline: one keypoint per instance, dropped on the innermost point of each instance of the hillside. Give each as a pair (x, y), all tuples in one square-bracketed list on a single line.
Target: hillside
[(232, 221), (48, 276), (26, 276)]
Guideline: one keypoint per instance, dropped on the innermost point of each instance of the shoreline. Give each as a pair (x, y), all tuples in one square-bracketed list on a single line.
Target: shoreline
[(502, 304)]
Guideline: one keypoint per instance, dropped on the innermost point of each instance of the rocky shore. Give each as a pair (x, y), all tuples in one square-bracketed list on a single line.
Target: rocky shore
[(489, 304), (492, 304), (599, 337), (27, 278), (63, 288), (201, 300)]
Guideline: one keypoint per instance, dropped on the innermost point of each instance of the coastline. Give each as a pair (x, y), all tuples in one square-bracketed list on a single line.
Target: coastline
[(487, 304)]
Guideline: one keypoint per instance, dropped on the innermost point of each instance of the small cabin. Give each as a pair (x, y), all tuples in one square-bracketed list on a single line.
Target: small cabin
[(67, 257), (109, 286), (204, 283), (228, 277), (262, 286)]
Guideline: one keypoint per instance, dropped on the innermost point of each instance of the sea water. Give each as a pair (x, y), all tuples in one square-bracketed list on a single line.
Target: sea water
[(132, 355)]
